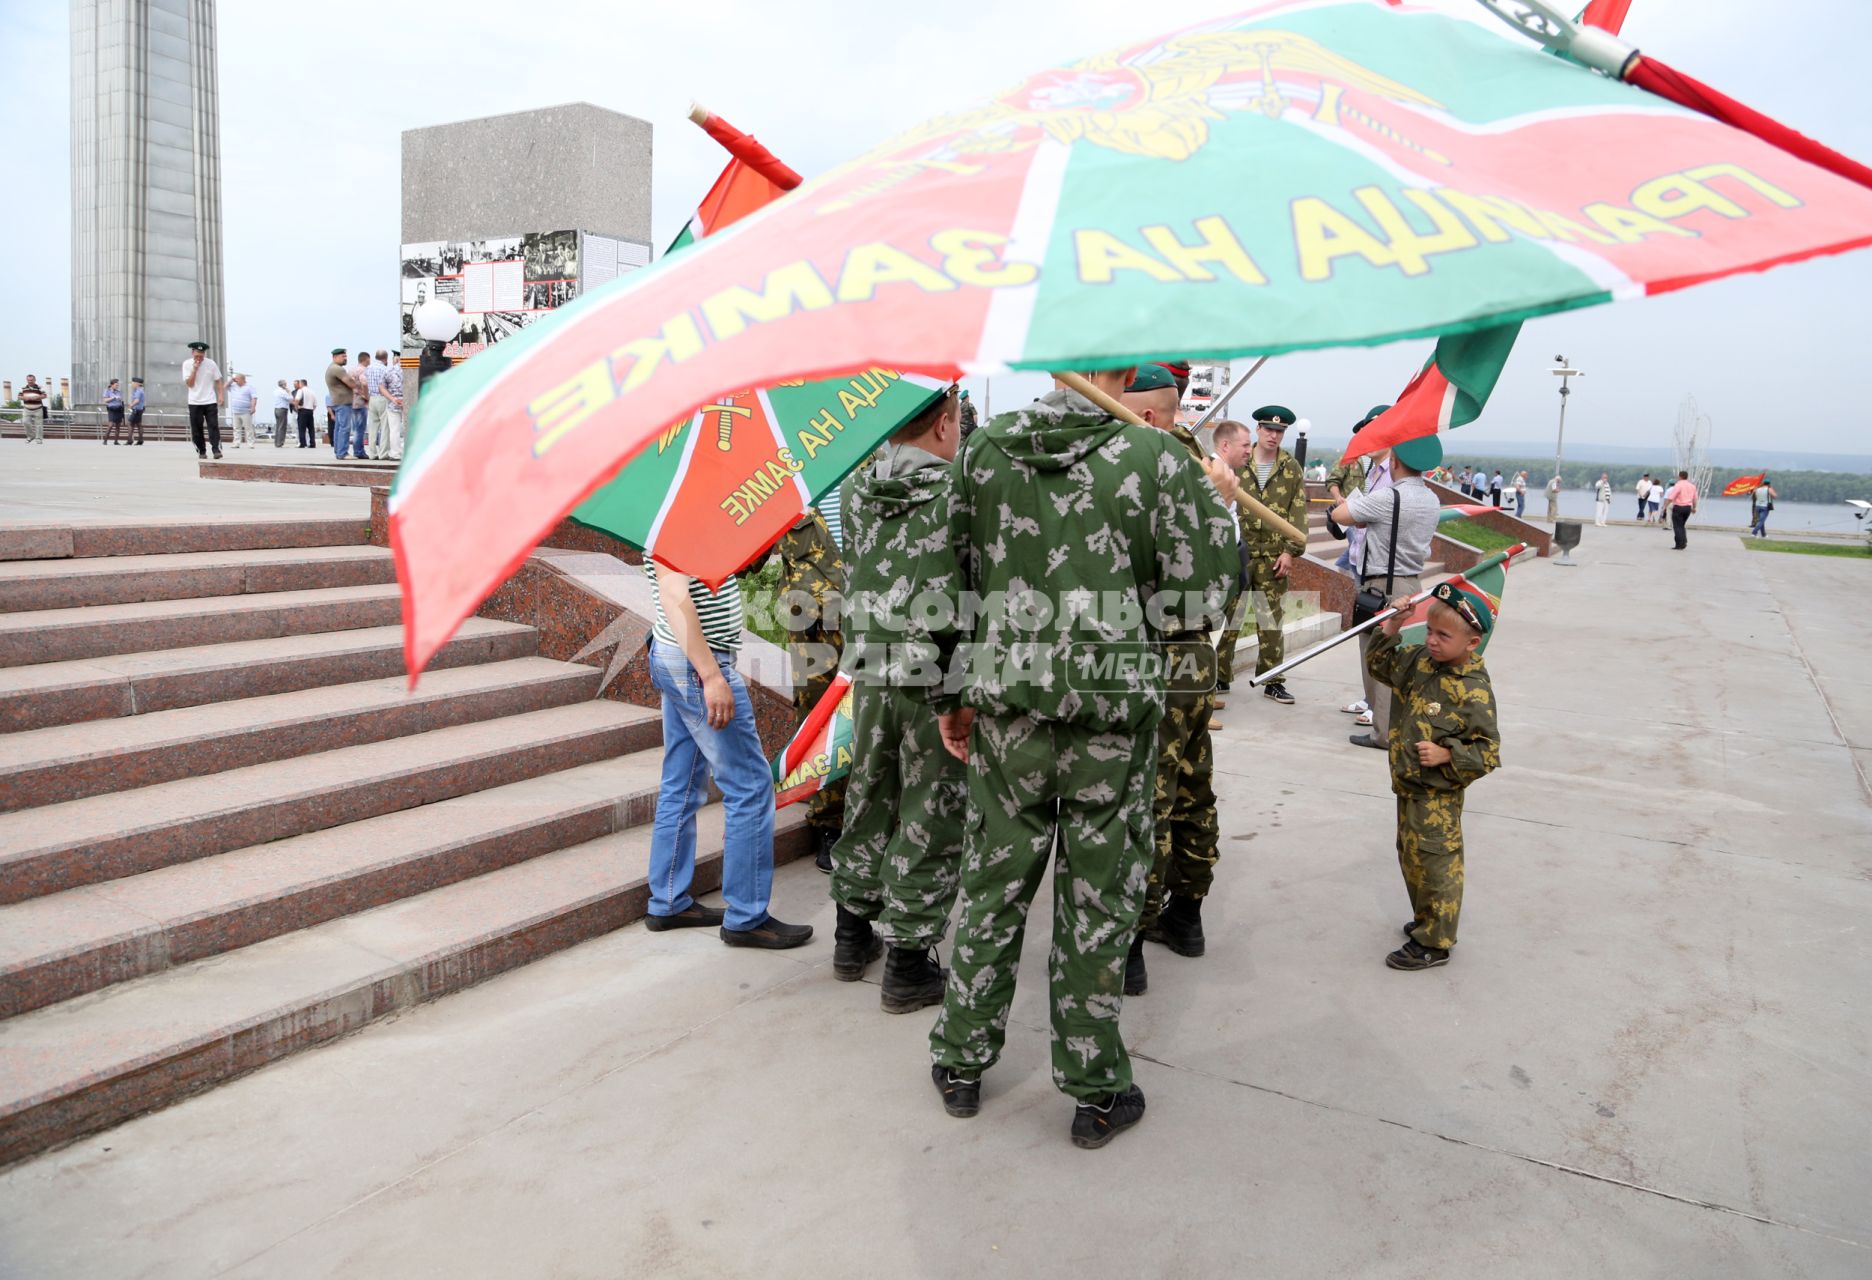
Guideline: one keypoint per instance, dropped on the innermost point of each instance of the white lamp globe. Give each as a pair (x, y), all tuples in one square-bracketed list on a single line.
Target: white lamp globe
[(437, 321), (1303, 425)]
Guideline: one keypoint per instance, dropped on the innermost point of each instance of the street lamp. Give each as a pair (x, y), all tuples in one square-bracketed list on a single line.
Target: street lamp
[(438, 323), (1562, 372)]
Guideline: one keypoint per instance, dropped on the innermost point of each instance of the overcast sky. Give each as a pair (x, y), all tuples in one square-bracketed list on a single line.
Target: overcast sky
[(314, 98)]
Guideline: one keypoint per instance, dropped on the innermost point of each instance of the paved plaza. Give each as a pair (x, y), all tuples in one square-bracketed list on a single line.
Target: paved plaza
[(66, 480), (1650, 1056)]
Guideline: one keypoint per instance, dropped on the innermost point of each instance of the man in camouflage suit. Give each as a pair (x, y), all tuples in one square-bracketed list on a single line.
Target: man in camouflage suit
[(1274, 476), (896, 863), (1066, 522), (1443, 737), (812, 588), (1183, 808)]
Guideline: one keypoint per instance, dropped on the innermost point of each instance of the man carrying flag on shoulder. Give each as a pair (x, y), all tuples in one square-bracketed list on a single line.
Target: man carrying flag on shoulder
[(1100, 537), (1183, 810), (895, 866)]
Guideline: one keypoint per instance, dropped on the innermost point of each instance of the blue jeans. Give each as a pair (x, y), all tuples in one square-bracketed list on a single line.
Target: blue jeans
[(341, 428), (1761, 522), (691, 752)]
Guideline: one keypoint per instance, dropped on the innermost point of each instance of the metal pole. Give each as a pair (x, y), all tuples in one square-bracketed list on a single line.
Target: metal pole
[(1560, 439), (1228, 395)]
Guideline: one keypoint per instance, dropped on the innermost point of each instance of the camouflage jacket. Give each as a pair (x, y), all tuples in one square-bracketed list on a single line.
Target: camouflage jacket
[(897, 527), (1286, 496), (1349, 475), (810, 560), (1084, 540), (1451, 706)]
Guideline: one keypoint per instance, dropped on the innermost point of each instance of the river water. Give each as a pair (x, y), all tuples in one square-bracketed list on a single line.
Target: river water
[(1577, 504)]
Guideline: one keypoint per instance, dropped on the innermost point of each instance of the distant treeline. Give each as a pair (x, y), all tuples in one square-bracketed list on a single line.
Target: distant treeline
[(1792, 486)]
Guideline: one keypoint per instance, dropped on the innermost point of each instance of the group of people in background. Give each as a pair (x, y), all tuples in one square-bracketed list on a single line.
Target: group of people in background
[(364, 407)]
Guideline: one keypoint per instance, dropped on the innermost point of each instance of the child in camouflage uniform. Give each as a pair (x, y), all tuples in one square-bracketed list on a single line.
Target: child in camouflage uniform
[(895, 865), (1443, 737)]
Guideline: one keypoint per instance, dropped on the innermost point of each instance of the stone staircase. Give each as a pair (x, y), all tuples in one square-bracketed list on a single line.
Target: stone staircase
[(228, 831)]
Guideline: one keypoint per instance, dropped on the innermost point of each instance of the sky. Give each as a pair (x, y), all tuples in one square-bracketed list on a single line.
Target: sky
[(314, 100)]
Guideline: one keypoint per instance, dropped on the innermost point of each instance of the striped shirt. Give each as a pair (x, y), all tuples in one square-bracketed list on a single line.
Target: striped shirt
[(720, 612), (829, 505)]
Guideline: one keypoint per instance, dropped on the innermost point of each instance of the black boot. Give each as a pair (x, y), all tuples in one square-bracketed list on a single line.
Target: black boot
[(854, 945), (1179, 926), (822, 849), (1137, 981), (912, 979)]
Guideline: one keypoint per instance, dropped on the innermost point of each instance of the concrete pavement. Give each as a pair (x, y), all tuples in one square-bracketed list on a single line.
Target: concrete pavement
[(63, 480), (1649, 1056)]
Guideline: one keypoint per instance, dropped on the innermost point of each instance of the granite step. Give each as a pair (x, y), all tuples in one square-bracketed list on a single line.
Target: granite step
[(43, 694), (167, 537), (83, 939), (71, 584), (59, 635), (107, 837), (86, 1064), (70, 762)]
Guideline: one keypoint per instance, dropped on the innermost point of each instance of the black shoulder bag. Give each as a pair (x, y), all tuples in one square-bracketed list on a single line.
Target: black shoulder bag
[(1370, 602)]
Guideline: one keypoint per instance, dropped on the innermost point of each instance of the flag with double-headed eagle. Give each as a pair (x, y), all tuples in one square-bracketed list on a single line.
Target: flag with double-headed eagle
[(1308, 174)]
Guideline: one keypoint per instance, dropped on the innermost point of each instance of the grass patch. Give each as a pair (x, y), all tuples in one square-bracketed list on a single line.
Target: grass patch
[(1480, 536), (1849, 550)]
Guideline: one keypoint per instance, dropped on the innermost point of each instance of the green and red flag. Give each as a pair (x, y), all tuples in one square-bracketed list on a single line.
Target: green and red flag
[(1448, 392), (822, 748), (1310, 174), (1489, 578), (717, 488), (1462, 510), (1743, 484)]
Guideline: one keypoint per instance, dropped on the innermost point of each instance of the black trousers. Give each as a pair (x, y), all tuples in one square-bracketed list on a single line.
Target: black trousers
[(306, 430), (1680, 516), (205, 417)]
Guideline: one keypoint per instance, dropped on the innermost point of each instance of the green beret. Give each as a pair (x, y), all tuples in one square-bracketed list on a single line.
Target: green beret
[(1152, 377), (197, 346), (1471, 606), (1375, 412), (1420, 454), (1274, 415)]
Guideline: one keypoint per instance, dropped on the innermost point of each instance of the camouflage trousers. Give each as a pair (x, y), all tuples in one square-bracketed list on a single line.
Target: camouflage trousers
[(809, 649), (1429, 850), (896, 863), (1183, 809), (1266, 595), (1036, 787), (1270, 595)]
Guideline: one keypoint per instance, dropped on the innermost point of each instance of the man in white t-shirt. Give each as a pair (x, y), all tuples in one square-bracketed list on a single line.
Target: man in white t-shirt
[(201, 378)]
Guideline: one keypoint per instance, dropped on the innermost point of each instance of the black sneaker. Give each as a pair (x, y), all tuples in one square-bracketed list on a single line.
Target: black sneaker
[(1408, 926), (822, 851), (770, 935), (1276, 690), (1098, 1121), (693, 916), (1415, 955), (217, 455), (961, 1096), (1221, 686), (1137, 977)]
